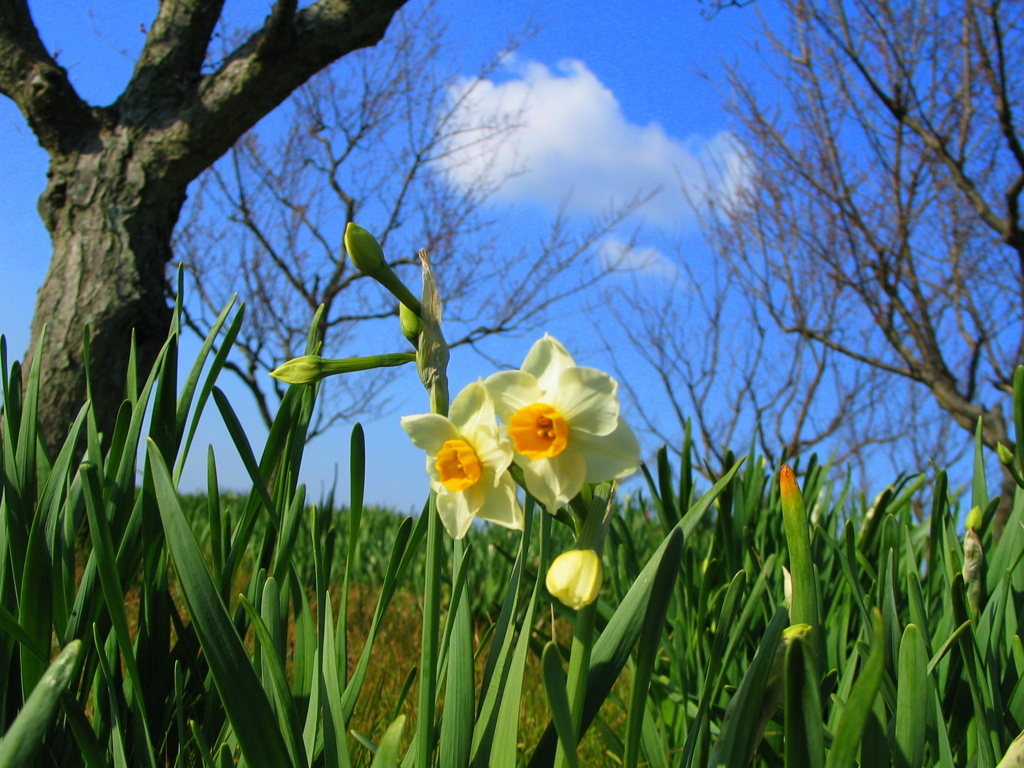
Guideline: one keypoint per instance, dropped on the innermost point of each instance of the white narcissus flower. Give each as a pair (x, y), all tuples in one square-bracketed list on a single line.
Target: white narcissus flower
[(563, 420), (468, 460)]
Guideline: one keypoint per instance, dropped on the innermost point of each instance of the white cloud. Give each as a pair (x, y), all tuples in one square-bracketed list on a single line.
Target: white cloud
[(575, 141), (621, 256)]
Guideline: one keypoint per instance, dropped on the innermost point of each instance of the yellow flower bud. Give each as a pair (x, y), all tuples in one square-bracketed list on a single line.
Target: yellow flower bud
[(974, 518), (575, 578), (300, 370), (974, 562), (1005, 454)]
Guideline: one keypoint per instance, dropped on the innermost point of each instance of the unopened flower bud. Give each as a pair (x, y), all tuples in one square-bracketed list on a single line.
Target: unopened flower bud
[(803, 605), (364, 250), (410, 323), (974, 562), (575, 578), (1005, 454), (310, 369), (974, 518), (300, 370), (368, 257)]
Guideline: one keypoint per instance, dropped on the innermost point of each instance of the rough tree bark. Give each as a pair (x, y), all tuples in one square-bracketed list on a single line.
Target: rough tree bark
[(118, 174)]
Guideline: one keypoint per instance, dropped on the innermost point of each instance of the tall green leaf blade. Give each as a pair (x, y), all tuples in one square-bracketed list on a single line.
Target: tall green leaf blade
[(558, 698), (244, 699), (496, 684), (646, 656), (502, 751), (287, 716), (390, 744), (742, 726), (219, 360), (912, 694), (854, 717), (113, 595), (804, 731), (457, 721), (24, 738)]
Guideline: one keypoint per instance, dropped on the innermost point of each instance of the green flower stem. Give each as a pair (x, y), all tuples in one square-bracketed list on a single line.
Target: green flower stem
[(309, 369), (579, 671), (591, 536), (429, 651), (595, 524)]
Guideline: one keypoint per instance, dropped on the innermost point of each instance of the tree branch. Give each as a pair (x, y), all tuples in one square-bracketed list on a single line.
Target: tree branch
[(266, 68), (170, 63), (33, 80)]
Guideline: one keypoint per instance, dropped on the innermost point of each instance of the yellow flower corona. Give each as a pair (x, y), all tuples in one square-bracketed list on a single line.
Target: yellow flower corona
[(458, 465), (538, 431), (468, 458), (564, 424)]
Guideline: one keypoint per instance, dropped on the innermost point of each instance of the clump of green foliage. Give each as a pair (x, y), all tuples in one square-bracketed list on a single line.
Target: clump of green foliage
[(139, 627)]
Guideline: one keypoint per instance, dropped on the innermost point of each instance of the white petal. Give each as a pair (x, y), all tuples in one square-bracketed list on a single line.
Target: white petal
[(455, 508), (609, 456), (547, 359), (512, 390), (500, 504), (435, 476), (495, 455), (472, 406), (553, 482), (429, 431), (586, 398)]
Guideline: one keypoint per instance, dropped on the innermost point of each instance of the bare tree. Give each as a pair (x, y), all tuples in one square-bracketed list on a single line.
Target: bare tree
[(118, 174), (369, 140), (878, 229)]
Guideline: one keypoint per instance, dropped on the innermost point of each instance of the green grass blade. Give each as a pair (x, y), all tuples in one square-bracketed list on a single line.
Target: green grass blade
[(244, 699), (742, 726), (241, 443), (219, 361), (390, 744), (615, 643), (502, 751), (912, 699), (457, 720), (558, 698), (496, 685), (113, 595), (93, 753), (804, 731), (24, 738), (288, 718), (858, 707), (399, 549), (646, 656)]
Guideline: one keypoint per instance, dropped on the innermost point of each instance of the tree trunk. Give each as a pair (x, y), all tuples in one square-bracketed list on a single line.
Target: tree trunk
[(110, 223), (118, 174)]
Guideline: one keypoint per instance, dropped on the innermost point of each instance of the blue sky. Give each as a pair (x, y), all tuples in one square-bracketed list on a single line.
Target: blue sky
[(615, 104)]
